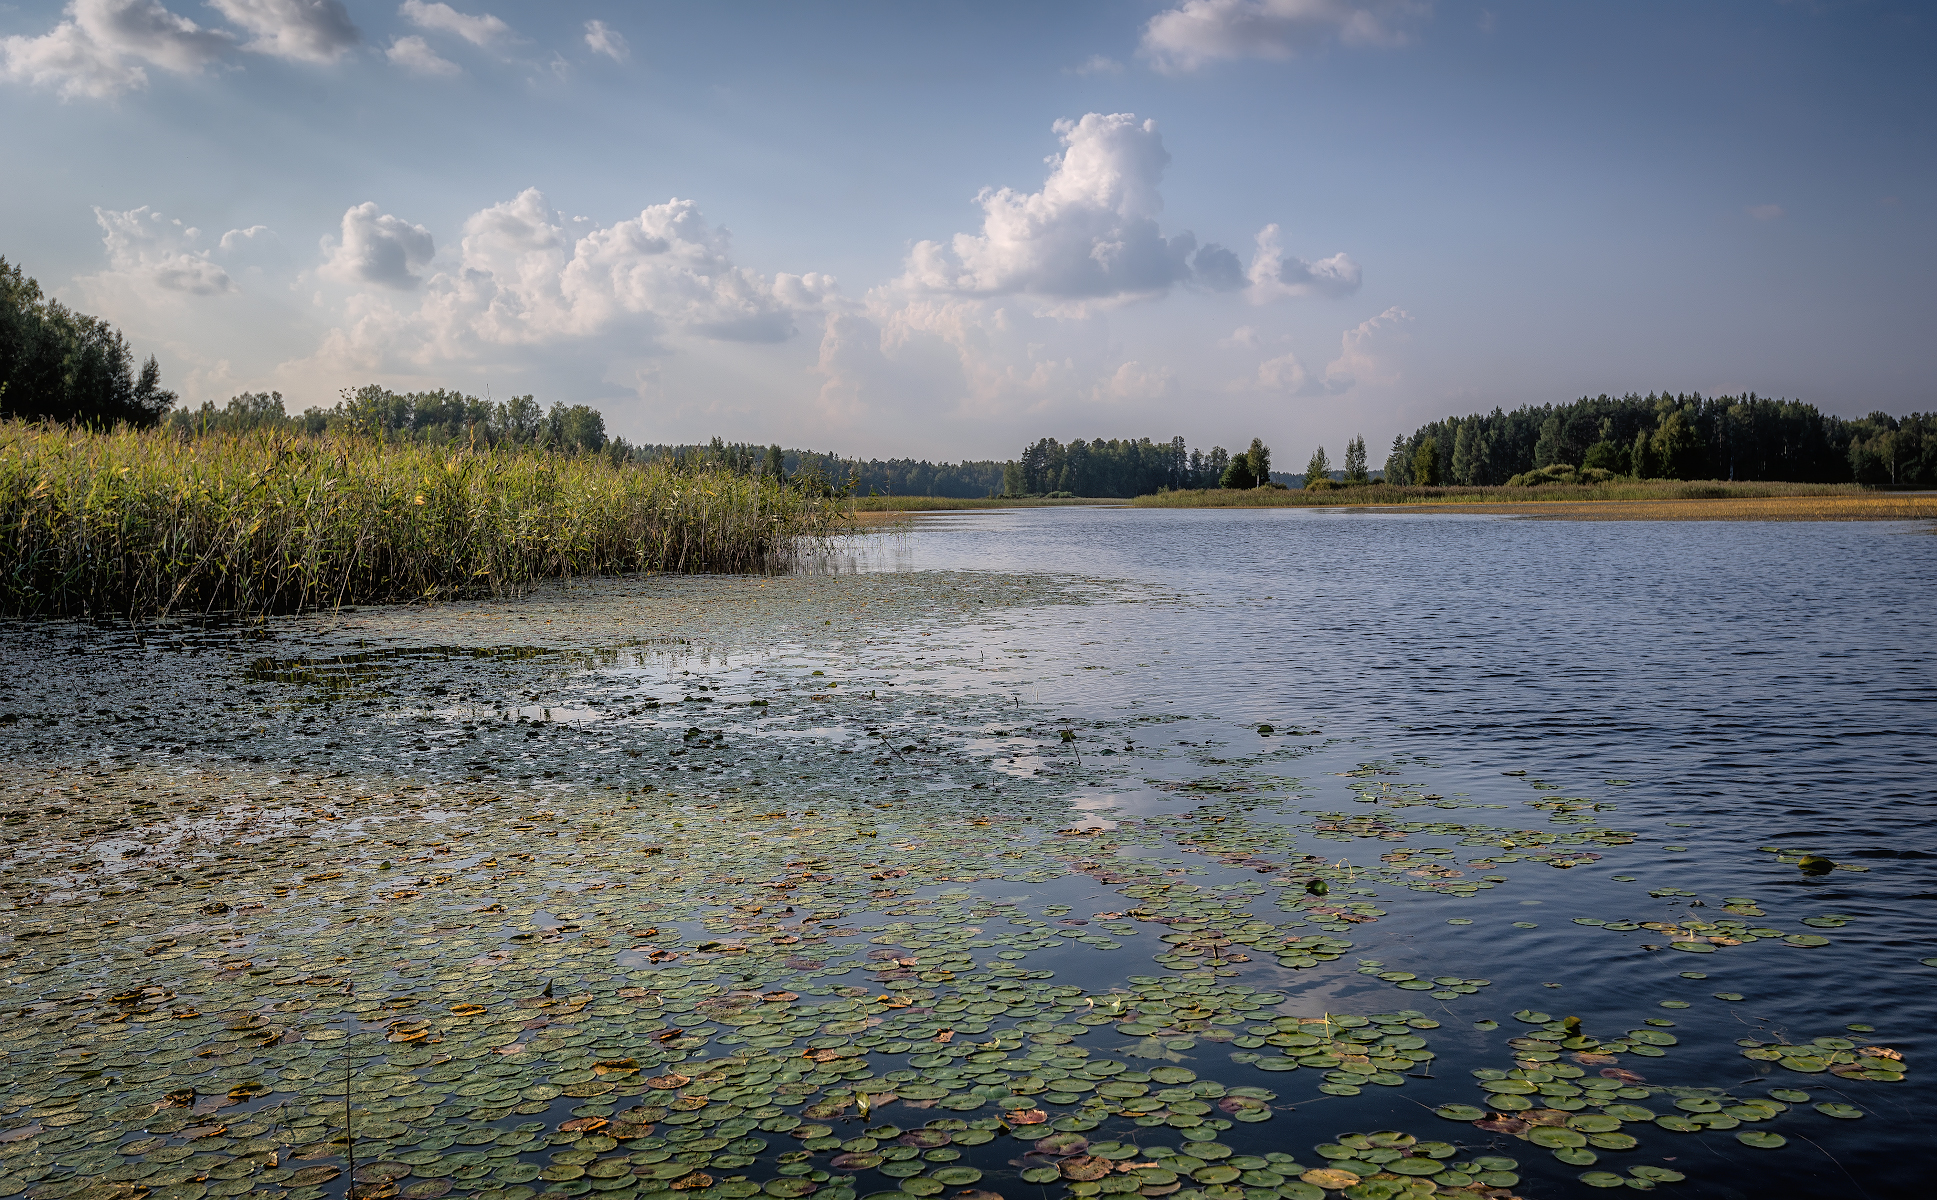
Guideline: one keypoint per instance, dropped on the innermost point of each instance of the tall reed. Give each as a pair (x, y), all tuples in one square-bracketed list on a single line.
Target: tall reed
[(147, 522)]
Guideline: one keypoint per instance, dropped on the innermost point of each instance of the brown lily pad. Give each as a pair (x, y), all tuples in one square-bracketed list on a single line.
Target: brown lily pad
[(1086, 1167)]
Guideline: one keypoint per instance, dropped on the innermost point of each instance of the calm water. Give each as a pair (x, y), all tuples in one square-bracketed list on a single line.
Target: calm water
[(1717, 689)]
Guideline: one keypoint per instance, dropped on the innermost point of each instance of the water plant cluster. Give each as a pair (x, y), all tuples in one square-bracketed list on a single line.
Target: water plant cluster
[(663, 924), (145, 522)]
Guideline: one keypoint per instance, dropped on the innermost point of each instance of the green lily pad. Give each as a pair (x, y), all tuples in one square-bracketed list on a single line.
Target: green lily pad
[(1553, 1137), (1847, 1112), (1602, 1179), (955, 1176), (1790, 1096), (1692, 947), (1172, 1075), (1761, 1139), (1266, 1064), (1461, 1112)]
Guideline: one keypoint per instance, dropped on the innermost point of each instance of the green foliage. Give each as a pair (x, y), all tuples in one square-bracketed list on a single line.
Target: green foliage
[(1126, 467), (1238, 474), (1318, 471), (1355, 473), (60, 365), (1901, 453), (1675, 436), (1561, 473), (1425, 463), (1398, 463), (1258, 459), (135, 523), (1609, 456)]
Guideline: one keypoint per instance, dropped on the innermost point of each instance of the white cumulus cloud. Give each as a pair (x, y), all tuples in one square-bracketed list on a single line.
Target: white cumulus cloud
[(479, 30), (1371, 352), (603, 39), (415, 55), (1274, 274), (523, 276), (1203, 31), (101, 48), (1090, 233), (317, 31), (378, 248), (145, 247)]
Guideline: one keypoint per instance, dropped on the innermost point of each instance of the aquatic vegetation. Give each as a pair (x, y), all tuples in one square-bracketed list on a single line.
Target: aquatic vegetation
[(147, 522), (459, 902)]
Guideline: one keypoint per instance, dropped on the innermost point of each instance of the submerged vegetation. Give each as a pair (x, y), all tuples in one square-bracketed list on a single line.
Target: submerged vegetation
[(145, 522)]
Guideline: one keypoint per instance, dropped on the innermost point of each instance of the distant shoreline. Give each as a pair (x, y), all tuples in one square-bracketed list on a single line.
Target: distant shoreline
[(1655, 500)]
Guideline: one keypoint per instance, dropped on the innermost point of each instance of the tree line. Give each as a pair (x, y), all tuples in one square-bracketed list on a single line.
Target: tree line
[(60, 365), (1670, 436)]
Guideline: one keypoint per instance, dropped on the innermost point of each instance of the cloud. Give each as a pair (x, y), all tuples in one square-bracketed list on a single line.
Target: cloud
[(99, 51), (145, 247), (1243, 335), (317, 31), (1090, 233), (378, 248), (1766, 212), (1204, 31), (1371, 352), (603, 39), (1096, 64), (415, 55), (1273, 274), (442, 18), (1134, 381), (523, 277), (1283, 374)]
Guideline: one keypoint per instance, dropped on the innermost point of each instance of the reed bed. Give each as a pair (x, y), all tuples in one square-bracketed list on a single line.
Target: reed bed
[(142, 523)]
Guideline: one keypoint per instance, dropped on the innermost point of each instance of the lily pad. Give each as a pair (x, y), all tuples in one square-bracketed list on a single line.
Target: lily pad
[(1847, 1112), (1460, 1112), (1761, 1139)]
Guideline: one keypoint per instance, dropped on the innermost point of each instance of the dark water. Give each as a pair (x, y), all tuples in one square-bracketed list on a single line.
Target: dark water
[(1717, 689), (1757, 684)]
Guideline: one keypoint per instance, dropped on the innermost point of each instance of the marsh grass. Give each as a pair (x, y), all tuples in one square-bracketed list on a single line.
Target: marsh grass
[(147, 522)]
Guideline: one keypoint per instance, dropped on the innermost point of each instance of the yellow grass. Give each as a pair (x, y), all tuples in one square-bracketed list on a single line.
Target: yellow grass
[(145, 522), (1621, 500)]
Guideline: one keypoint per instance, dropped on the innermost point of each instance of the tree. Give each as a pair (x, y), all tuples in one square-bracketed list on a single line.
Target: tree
[(1238, 474), (1425, 464), (1258, 458), (776, 467), (1318, 469), (1355, 472), (1678, 449), (1608, 456), (57, 364), (1398, 464)]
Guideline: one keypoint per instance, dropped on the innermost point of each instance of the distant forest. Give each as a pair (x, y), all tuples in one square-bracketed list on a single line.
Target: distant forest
[(57, 364), (1665, 436)]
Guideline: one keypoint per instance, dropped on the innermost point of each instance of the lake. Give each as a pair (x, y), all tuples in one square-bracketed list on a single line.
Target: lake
[(1269, 849)]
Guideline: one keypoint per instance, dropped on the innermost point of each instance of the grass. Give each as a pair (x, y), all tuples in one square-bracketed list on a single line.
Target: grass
[(1654, 499), (141, 523)]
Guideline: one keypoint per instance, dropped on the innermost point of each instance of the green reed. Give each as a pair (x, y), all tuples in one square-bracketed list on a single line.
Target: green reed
[(148, 522)]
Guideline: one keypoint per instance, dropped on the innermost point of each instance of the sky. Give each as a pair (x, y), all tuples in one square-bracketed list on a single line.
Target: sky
[(943, 231)]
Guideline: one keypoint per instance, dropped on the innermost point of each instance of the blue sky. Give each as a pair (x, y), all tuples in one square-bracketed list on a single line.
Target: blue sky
[(941, 231)]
